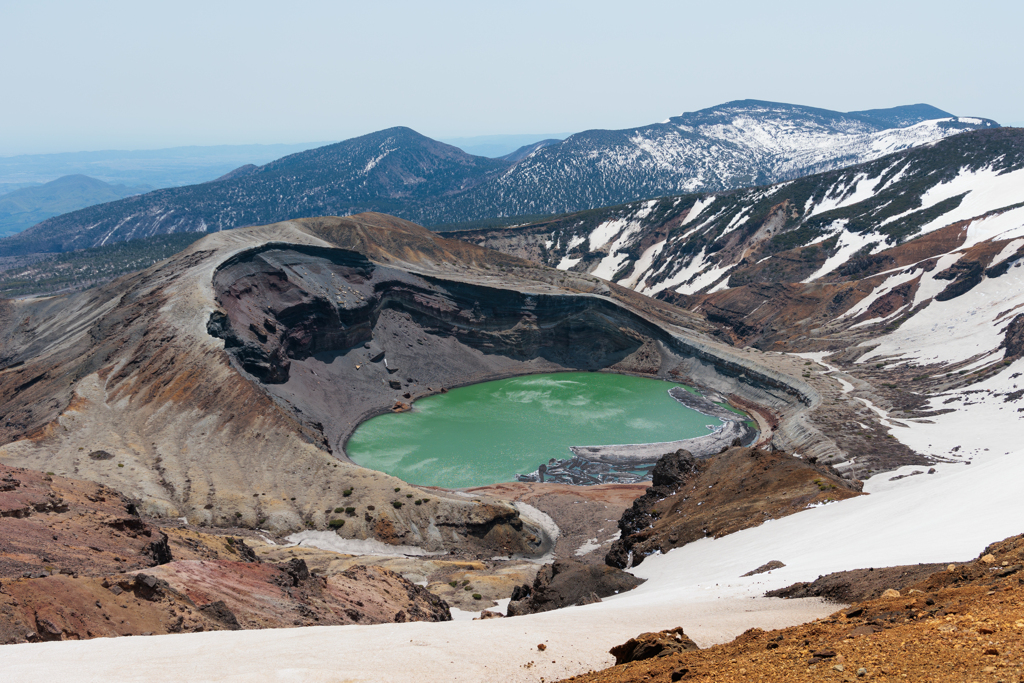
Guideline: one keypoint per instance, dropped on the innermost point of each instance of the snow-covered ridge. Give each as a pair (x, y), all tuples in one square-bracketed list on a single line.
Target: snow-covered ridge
[(721, 148), (846, 236), (688, 243)]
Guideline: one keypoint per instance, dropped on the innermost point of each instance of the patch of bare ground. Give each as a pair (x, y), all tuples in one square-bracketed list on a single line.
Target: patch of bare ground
[(856, 585), (54, 525), (207, 595), (587, 516), (963, 623)]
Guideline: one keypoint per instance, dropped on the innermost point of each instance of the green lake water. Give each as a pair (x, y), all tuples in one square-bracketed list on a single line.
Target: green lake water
[(487, 433)]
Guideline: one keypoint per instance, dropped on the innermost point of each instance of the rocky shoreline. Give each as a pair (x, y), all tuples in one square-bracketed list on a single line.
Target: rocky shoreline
[(632, 463)]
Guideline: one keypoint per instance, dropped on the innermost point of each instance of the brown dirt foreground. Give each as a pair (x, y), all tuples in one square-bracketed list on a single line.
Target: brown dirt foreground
[(962, 624)]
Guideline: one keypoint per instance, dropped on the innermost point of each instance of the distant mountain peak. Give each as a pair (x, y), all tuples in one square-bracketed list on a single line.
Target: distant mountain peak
[(402, 172), (893, 117)]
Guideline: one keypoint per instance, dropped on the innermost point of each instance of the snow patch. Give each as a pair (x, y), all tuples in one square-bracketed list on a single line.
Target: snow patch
[(849, 244), (566, 263), (643, 264), (956, 330), (862, 189)]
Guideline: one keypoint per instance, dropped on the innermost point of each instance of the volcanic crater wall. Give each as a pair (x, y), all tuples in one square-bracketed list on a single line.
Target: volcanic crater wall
[(337, 338)]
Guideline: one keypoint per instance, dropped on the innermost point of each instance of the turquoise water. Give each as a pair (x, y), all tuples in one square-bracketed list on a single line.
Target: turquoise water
[(487, 433)]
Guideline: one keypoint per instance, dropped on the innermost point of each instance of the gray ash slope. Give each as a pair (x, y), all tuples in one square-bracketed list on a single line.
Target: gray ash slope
[(401, 172)]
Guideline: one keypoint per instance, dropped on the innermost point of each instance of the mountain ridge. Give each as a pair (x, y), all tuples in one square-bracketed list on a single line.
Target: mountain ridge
[(402, 172), (737, 144), (867, 247)]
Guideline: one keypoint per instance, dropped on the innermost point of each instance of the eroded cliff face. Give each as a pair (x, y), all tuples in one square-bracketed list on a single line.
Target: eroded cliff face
[(740, 488), (335, 337)]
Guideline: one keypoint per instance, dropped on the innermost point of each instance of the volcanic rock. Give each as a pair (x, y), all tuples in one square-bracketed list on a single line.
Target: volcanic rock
[(218, 611), (53, 524), (567, 582), (648, 645), (858, 584), (1013, 338), (766, 567)]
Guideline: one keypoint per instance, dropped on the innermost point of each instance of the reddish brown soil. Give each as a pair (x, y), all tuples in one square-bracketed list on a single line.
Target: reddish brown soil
[(270, 596), (857, 585), (51, 524), (199, 595), (69, 550)]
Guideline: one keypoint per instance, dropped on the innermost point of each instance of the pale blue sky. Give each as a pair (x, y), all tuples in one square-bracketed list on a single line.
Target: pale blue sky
[(132, 75)]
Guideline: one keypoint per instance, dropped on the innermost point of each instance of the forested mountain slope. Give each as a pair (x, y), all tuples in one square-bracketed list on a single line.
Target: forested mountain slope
[(403, 173)]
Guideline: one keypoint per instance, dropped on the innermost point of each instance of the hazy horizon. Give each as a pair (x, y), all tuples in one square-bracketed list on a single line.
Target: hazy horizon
[(455, 141), (115, 75)]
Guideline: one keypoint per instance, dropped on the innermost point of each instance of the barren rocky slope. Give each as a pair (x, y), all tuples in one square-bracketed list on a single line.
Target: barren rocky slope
[(131, 370), (51, 524), (691, 499), (77, 561)]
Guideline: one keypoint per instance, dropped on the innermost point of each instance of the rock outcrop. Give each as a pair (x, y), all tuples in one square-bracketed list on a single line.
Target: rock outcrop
[(856, 585), (71, 552), (742, 487), (207, 595), (647, 645), (565, 583), (54, 525)]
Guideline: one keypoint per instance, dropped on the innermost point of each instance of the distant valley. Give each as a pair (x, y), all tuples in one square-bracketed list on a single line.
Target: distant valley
[(502, 145), (168, 167), (24, 208)]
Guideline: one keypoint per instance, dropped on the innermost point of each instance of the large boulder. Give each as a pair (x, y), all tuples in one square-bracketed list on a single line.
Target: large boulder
[(649, 645), (566, 583)]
